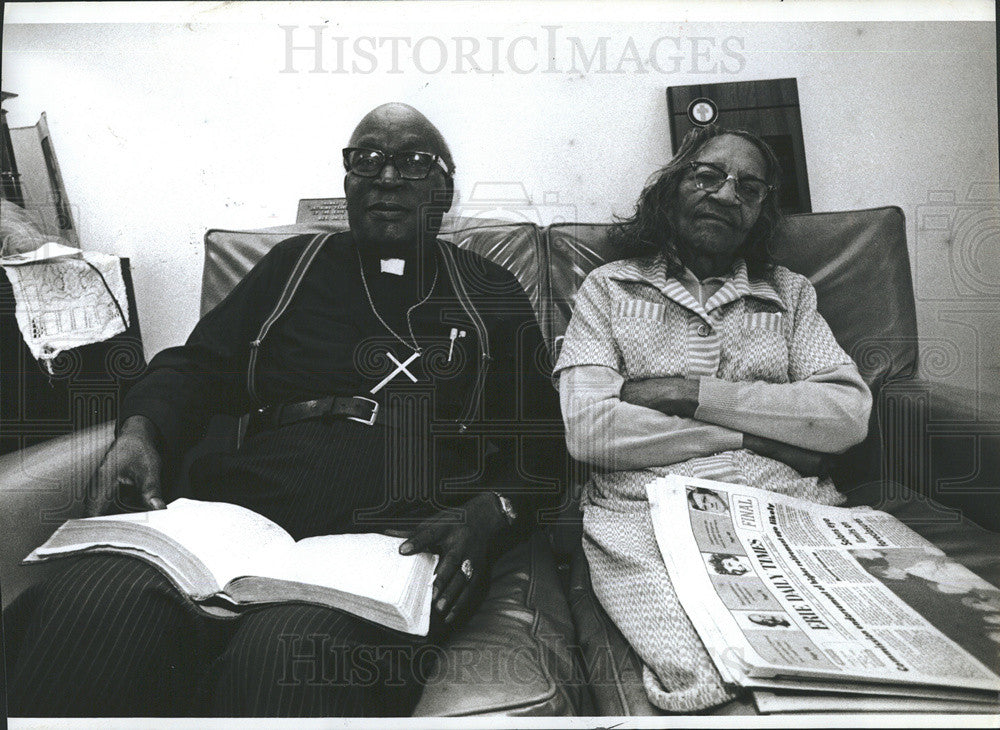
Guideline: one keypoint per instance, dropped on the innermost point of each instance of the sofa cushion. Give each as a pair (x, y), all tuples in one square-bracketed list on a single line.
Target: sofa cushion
[(857, 260), (574, 250), (515, 246), (41, 487), (515, 655), (230, 254), (941, 441), (860, 266)]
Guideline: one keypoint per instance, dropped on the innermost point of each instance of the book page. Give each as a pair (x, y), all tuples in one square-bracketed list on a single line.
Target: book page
[(228, 539), (363, 564)]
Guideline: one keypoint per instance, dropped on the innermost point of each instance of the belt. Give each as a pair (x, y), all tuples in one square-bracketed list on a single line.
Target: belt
[(353, 408)]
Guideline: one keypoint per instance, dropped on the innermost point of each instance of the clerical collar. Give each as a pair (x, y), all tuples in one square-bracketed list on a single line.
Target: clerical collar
[(393, 266), (391, 262)]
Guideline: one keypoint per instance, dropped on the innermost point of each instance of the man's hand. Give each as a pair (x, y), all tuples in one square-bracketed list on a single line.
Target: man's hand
[(673, 396), (804, 461), (457, 541), (133, 463)]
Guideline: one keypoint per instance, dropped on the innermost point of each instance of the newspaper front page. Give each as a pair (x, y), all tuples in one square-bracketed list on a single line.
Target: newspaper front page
[(781, 588)]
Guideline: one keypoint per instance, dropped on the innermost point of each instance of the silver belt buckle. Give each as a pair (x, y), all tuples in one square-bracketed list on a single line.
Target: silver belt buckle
[(370, 421)]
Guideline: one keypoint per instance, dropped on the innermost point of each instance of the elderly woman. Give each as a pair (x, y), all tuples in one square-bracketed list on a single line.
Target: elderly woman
[(698, 356)]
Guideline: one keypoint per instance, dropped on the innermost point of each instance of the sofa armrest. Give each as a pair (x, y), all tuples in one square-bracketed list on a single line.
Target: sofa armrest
[(41, 487), (942, 442)]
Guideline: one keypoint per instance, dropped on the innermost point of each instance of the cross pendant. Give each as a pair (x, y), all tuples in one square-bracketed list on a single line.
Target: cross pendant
[(400, 368)]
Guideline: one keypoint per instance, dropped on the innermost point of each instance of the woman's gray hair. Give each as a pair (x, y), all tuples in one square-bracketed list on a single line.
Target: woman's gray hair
[(650, 230)]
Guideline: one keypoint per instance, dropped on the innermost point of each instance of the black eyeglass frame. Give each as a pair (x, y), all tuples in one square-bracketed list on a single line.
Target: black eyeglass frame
[(387, 158), (695, 164)]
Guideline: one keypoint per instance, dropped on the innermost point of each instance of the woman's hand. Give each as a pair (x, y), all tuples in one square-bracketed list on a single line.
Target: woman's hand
[(678, 396), (457, 540), (805, 462), (672, 396)]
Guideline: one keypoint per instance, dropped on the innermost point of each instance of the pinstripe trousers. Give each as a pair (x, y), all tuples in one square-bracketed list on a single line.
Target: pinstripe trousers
[(111, 636)]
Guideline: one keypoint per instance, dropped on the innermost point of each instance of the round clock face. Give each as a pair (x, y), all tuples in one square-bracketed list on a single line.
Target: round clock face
[(702, 112)]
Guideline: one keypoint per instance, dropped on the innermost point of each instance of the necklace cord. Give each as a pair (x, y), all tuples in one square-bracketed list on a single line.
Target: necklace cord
[(371, 303)]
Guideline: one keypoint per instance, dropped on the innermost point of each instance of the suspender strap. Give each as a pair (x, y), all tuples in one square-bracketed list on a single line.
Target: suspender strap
[(294, 280), (458, 285), (463, 297)]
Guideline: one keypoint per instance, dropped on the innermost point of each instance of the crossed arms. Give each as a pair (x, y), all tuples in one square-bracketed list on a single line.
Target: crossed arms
[(620, 423)]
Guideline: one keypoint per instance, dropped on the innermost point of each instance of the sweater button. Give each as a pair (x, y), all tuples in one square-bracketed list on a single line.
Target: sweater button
[(704, 330)]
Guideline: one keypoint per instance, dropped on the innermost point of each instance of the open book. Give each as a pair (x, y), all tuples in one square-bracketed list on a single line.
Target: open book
[(225, 557)]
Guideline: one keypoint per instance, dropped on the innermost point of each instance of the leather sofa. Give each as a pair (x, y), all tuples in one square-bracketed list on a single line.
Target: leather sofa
[(541, 644)]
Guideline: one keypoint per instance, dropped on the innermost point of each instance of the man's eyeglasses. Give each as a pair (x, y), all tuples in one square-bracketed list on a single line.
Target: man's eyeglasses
[(366, 162), (749, 191)]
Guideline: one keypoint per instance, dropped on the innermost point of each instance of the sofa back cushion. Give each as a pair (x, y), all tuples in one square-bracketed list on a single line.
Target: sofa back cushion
[(518, 247), (857, 260), (230, 254), (860, 266)]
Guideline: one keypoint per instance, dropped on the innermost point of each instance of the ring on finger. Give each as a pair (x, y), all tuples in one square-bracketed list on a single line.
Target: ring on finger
[(466, 568)]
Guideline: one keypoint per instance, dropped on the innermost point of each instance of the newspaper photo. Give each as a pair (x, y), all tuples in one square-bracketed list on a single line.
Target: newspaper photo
[(779, 587)]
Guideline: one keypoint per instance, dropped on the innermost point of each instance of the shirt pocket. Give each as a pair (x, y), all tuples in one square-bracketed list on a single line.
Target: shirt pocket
[(760, 351), (651, 339)]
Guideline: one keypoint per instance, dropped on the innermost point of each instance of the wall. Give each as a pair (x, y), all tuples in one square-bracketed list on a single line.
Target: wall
[(164, 130)]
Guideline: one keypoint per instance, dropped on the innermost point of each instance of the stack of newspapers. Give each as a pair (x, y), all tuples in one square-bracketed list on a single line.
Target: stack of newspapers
[(819, 609)]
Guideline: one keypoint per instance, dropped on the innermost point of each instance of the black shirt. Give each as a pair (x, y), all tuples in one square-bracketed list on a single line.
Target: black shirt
[(459, 429)]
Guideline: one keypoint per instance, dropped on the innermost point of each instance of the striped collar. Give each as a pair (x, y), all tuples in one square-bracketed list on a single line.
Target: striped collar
[(652, 271)]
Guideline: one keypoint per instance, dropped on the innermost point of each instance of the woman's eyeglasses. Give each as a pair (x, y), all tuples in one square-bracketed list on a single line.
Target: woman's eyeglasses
[(711, 179), (366, 162)]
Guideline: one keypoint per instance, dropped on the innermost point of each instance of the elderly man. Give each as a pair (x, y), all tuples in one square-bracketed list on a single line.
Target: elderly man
[(372, 365)]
